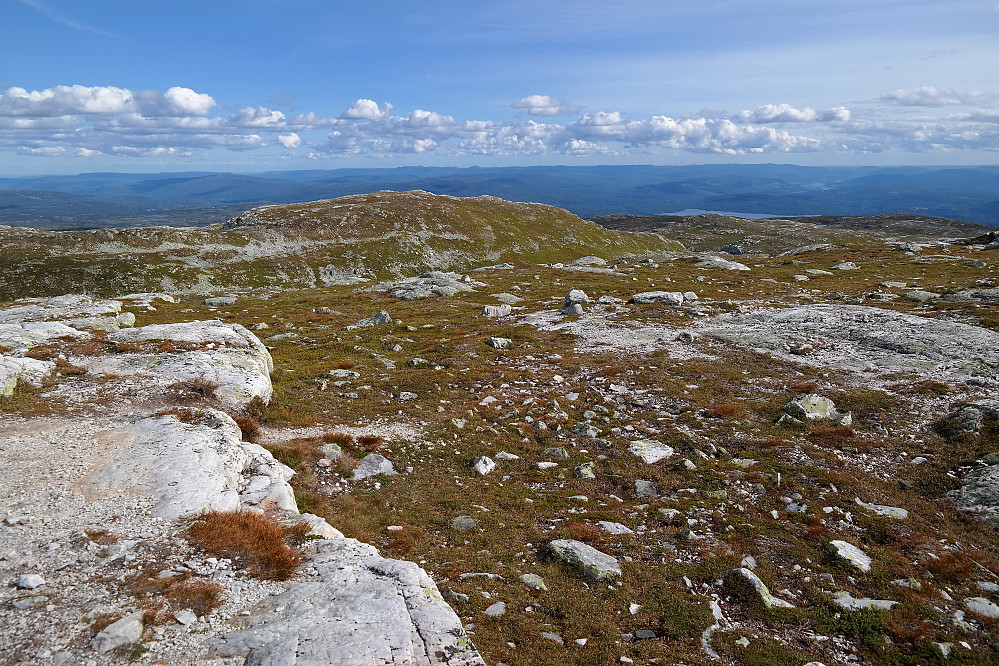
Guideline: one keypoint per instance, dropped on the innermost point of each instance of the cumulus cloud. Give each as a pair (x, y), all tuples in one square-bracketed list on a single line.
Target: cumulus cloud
[(291, 140), (930, 96), (86, 121), (543, 105), (785, 113), (366, 109)]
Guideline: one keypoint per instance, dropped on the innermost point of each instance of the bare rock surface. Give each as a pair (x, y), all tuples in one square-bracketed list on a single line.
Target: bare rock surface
[(354, 607), (859, 338), (190, 468)]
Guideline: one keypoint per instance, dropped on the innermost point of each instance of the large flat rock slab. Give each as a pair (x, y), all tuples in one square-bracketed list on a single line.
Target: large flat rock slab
[(225, 354), (356, 608), (862, 338)]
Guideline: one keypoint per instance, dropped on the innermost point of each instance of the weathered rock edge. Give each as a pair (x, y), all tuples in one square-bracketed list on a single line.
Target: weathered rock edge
[(353, 607)]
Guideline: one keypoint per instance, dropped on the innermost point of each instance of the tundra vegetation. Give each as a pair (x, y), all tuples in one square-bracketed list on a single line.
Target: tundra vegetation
[(567, 411)]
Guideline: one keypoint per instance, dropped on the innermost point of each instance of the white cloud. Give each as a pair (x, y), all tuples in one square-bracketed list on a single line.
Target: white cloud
[(543, 105), (785, 113), (257, 117), (366, 109), (930, 96), (291, 140), (82, 121)]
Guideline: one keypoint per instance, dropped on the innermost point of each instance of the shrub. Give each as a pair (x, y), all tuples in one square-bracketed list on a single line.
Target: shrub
[(251, 540)]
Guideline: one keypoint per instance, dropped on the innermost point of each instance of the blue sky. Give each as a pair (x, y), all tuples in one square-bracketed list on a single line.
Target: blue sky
[(258, 84)]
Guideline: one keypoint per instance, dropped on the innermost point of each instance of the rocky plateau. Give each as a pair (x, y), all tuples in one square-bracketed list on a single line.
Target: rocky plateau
[(485, 432)]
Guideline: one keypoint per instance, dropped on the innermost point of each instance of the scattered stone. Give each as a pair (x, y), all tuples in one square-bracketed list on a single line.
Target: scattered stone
[(852, 554), (29, 581), (921, 296), (483, 465), (982, 606), (846, 266), (586, 470), (645, 488), (499, 343), (558, 452), (552, 636), (463, 523), (534, 581), (846, 600), (812, 406), (503, 455), (768, 599), (590, 562), (508, 299), (496, 310), (589, 261), (572, 304), (372, 465), (379, 319), (185, 617), (126, 630), (496, 610), (220, 301), (614, 528), (650, 451), (718, 262), (886, 511), (418, 362), (674, 298)]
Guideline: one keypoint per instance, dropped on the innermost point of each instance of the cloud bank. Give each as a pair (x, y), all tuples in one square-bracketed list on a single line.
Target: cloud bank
[(88, 121)]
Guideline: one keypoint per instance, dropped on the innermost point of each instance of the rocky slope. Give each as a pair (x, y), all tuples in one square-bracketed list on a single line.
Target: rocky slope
[(681, 457)]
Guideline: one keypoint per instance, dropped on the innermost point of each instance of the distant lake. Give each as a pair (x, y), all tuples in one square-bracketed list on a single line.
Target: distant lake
[(747, 216)]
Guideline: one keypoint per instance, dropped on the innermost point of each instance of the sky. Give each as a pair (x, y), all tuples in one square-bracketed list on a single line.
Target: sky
[(256, 85)]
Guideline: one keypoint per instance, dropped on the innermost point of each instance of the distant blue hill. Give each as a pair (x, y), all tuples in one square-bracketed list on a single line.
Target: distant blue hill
[(196, 198)]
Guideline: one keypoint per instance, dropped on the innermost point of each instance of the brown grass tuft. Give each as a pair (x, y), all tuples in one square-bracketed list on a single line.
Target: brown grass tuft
[(67, 369), (248, 426), (205, 388), (250, 539)]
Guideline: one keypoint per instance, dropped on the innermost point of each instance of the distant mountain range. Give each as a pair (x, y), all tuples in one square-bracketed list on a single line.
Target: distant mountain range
[(200, 198)]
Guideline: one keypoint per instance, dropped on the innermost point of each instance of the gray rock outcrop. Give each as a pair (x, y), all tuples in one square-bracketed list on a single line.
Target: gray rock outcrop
[(190, 468), (354, 607), (860, 338)]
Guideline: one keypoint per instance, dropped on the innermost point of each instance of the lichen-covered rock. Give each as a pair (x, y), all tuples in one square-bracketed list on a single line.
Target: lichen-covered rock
[(982, 606), (812, 406), (351, 606), (57, 308), (14, 369), (590, 562), (980, 493), (496, 310), (852, 554), (19, 337)]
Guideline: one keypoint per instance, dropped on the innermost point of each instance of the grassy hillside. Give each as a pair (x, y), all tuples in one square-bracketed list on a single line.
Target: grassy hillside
[(378, 235)]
